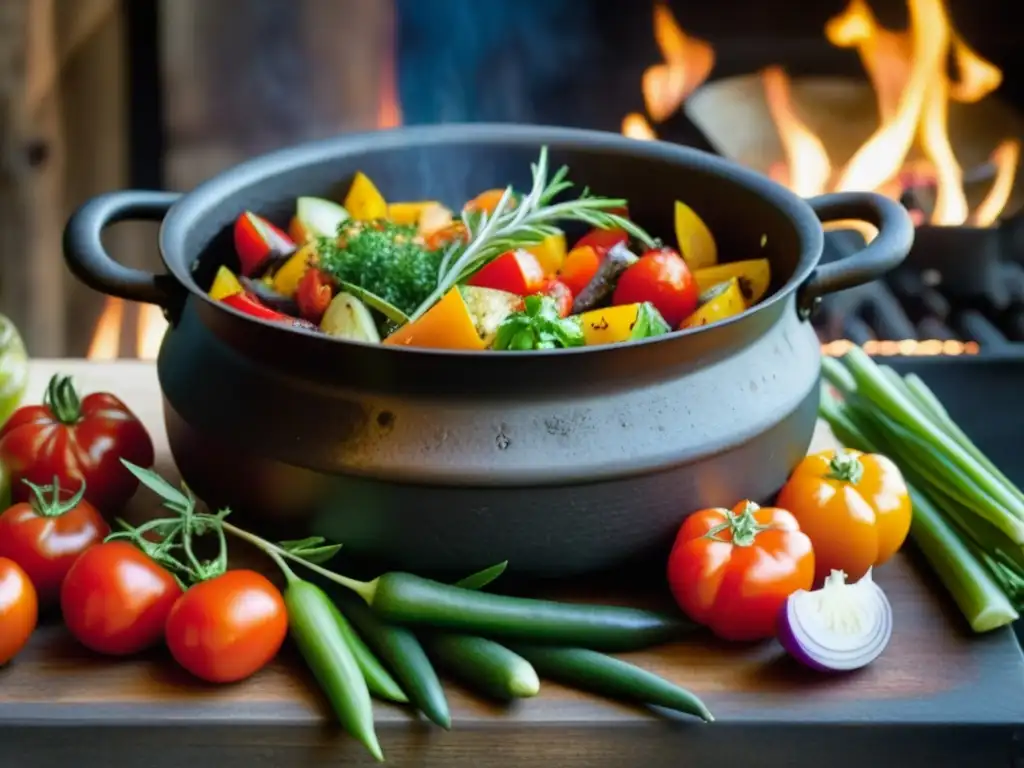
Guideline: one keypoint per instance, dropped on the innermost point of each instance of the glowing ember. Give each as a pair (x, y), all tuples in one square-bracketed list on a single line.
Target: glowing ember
[(152, 326), (906, 347), (106, 340), (635, 126)]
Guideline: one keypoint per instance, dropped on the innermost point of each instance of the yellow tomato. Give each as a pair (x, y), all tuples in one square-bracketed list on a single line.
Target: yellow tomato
[(854, 506)]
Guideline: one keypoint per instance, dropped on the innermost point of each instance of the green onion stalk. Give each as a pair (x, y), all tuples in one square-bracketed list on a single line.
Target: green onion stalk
[(968, 517)]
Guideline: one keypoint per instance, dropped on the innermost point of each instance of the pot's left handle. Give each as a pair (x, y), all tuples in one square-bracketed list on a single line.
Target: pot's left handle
[(89, 261), (887, 251)]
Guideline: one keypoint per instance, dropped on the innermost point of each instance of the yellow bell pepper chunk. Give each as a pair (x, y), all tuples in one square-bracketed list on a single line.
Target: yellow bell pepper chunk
[(696, 243), (610, 325), (409, 213), (550, 252), (286, 279), (722, 301), (754, 275), (446, 325), (363, 201), (224, 284)]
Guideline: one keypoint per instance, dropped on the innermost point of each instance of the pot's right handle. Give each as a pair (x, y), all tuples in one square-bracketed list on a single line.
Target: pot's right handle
[(89, 261), (888, 250)]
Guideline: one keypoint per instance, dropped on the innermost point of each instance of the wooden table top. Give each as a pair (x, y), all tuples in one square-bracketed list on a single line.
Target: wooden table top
[(936, 696)]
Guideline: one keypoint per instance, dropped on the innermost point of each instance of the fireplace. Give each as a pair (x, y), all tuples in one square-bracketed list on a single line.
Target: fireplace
[(917, 99)]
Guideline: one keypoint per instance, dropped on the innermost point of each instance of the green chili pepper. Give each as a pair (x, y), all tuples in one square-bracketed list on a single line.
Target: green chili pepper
[(378, 679), (611, 677), (406, 599), (399, 649), (485, 665), (315, 626)]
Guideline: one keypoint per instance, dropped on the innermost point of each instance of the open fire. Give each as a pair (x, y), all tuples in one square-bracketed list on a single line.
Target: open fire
[(908, 155)]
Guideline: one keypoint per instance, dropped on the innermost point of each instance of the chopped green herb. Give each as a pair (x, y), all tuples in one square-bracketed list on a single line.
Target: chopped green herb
[(538, 326), (648, 323)]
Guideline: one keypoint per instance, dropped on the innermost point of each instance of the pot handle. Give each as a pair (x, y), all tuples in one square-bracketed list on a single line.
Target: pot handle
[(89, 261), (888, 250)]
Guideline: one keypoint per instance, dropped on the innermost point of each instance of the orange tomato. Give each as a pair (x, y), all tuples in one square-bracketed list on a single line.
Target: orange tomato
[(19, 609), (854, 506), (733, 570)]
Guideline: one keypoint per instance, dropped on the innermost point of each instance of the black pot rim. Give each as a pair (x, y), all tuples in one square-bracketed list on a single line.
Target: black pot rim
[(194, 205)]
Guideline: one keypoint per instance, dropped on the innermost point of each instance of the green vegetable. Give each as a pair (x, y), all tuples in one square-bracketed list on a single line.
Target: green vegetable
[(649, 322), (348, 318), (961, 524), (378, 679), (403, 654), (538, 326), (485, 665), (611, 677), (481, 579), (384, 258), (13, 368), (403, 598), (314, 624)]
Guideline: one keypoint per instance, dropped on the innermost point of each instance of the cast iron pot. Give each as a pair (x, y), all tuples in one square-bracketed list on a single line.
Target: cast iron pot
[(561, 461)]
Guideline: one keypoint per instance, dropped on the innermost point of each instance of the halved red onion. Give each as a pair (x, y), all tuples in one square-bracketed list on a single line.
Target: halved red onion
[(839, 627)]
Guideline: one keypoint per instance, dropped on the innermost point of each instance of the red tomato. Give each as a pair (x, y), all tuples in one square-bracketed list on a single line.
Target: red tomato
[(256, 239), (18, 609), (579, 268), (227, 628), (602, 240), (46, 536), (662, 278), (76, 441), (560, 292), (517, 272), (314, 294), (733, 570), (116, 599)]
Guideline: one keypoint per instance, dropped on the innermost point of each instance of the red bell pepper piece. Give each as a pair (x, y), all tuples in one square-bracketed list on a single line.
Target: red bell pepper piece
[(517, 272), (252, 306), (256, 240), (602, 240), (314, 294), (561, 293)]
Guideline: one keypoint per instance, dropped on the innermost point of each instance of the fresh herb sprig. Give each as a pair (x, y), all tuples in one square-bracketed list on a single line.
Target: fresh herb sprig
[(512, 226), (538, 326)]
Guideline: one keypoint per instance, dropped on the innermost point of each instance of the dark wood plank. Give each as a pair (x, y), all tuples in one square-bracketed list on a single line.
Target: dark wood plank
[(937, 697)]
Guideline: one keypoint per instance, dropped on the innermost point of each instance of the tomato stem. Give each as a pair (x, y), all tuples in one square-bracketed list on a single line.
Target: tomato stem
[(743, 528), (62, 399), (845, 467), (54, 507)]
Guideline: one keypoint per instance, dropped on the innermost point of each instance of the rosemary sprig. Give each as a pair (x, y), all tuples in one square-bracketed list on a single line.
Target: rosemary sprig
[(508, 228)]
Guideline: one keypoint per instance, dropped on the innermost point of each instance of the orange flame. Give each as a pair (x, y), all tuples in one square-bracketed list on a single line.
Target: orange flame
[(807, 169), (389, 108), (635, 126), (905, 348), (152, 325), (687, 63), (106, 339)]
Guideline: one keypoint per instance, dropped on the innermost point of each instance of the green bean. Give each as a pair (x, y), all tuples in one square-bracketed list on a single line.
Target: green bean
[(406, 599), (611, 677), (484, 665), (313, 619), (378, 679), (399, 649)]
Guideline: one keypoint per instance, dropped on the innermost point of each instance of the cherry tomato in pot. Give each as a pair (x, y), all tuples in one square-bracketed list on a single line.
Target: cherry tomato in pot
[(854, 506), (19, 609), (78, 441), (225, 629), (116, 599), (47, 534), (733, 570), (314, 294), (662, 278), (560, 292)]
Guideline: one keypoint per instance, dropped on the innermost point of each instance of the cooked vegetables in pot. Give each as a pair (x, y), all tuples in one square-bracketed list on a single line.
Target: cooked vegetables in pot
[(500, 274)]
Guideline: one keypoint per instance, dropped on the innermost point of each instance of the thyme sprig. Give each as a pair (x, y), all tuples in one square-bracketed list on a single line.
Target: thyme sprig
[(511, 226)]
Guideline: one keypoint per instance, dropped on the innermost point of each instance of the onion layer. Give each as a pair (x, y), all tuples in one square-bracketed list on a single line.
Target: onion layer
[(839, 627)]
